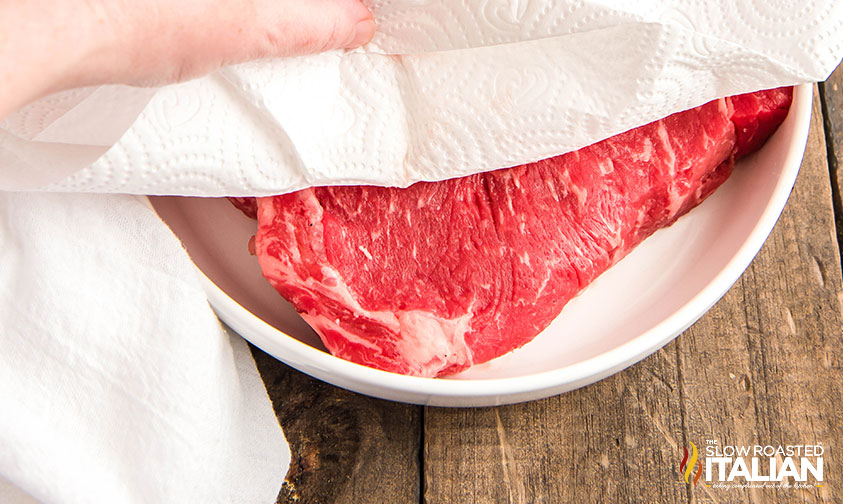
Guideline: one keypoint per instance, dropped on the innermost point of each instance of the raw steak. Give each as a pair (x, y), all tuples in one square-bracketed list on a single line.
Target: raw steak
[(431, 279), (247, 205)]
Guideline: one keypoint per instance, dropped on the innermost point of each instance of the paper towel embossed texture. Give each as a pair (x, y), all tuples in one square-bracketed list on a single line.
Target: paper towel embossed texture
[(449, 88)]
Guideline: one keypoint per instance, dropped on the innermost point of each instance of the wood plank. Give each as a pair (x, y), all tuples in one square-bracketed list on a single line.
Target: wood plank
[(346, 447), (832, 100), (614, 441), (763, 365)]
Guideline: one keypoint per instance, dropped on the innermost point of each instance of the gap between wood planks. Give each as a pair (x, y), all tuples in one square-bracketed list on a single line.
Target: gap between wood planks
[(831, 99), (422, 455)]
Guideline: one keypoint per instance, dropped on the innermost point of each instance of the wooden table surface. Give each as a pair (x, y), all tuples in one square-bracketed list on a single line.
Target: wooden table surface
[(763, 367)]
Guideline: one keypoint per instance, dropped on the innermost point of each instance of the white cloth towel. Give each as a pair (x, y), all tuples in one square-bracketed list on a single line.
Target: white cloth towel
[(117, 382)]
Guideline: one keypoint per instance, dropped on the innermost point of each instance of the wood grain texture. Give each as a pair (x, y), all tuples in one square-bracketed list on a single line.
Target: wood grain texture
[(832, 101), (763, 366), (346, 447), (614, 441)]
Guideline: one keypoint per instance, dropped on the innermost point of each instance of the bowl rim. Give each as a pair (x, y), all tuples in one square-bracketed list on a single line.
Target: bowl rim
[(496, 391)]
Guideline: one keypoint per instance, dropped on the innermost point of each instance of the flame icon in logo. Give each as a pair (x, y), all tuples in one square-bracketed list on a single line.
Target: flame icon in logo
[(687, 468)]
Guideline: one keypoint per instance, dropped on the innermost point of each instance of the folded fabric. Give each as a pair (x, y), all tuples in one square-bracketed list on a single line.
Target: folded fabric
[(117, 382)]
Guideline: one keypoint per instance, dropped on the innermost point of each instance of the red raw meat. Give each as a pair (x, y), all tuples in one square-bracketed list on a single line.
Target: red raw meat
[(247, 205), (431, 279)]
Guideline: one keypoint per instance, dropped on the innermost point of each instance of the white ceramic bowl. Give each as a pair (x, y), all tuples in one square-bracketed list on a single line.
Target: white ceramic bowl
[(632, 310)]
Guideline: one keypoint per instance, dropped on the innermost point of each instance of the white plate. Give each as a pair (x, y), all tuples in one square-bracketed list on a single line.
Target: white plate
[(632, 310)]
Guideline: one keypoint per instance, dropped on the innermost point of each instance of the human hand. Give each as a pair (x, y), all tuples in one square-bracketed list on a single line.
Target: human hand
[(50, 45)]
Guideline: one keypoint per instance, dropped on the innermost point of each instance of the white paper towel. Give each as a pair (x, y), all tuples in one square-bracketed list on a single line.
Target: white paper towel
[(446, 88)]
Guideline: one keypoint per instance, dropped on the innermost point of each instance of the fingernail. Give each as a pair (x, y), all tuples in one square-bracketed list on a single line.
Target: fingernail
[(363, 33)]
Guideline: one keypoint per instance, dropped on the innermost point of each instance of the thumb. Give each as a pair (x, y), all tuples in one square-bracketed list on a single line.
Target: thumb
[(161, 41), (296, 27)]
